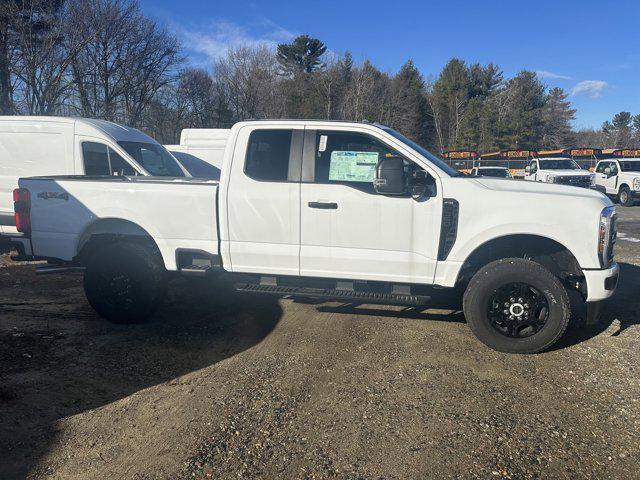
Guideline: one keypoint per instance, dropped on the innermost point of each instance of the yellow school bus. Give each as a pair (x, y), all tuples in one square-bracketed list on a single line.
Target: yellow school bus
[(620, 153), (585, 157), (515, 160), (461, 160)]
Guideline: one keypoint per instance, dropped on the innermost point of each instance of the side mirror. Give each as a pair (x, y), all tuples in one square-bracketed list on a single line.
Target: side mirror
[(390, 177), (527, 169), (607, 171)]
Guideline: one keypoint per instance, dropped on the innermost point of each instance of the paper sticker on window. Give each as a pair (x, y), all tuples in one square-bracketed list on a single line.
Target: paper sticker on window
[(323, 143), (353, 166)]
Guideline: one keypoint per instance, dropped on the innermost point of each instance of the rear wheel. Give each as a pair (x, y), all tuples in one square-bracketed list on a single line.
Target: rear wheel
[(517, 306), (125, 282), (625, 197)]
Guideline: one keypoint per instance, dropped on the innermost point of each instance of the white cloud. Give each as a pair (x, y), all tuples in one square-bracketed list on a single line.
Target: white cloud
[(216, 38), (551, 75), (591, 88)]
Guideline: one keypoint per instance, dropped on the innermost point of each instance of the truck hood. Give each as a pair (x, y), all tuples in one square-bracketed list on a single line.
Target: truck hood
[(522, 186), (565, 173)]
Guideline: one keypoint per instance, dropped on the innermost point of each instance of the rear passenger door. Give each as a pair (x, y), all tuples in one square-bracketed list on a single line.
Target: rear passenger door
[(263, 201)]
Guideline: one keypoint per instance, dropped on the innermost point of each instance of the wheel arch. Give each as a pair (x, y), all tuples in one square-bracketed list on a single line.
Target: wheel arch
[(110, 230), (544, 250)]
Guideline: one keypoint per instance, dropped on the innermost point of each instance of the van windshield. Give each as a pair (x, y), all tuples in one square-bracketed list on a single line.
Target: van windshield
[(154, 159)]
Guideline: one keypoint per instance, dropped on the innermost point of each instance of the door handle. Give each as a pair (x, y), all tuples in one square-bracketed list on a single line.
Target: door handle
[(324, 205)]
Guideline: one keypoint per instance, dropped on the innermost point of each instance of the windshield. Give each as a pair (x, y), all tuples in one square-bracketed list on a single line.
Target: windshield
[(196, 167), (559, 164), (154, 159), (494, 172), (424, 152), (630, 166)]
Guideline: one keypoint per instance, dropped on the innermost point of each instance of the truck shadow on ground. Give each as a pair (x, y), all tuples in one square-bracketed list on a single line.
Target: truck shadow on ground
[(58, 358)]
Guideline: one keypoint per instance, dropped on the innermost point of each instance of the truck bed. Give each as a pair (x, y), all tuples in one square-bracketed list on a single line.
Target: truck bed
[(177, 213)]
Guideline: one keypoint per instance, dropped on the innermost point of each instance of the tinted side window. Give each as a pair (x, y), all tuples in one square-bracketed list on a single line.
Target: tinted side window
[(96, 158), (268, 155), (534, 166), (601, 166), (347, 157)]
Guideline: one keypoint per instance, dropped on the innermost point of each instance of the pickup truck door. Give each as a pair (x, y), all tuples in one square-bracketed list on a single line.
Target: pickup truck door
[(350, 231), (263, 201), (609, 182), (533, 171)]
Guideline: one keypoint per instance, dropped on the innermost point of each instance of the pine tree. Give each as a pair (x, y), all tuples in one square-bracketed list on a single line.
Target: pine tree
[(557, 116), (301, 56), (409, 107)]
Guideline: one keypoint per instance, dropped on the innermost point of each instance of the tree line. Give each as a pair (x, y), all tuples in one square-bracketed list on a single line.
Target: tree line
[(107, 59)]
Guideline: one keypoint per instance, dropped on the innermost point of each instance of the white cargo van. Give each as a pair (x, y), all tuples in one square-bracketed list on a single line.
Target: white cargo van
[(35, 146), (201, 150)]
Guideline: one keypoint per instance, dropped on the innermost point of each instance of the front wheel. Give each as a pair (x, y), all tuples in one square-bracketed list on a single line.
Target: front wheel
[(517, 306), (125, 282), (625, 197)]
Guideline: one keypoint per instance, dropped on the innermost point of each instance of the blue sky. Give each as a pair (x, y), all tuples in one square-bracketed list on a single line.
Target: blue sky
[(589, 48)]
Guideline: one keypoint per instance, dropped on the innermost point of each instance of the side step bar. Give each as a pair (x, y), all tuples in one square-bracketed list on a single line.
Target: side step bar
[(53, 269), (334, 294)]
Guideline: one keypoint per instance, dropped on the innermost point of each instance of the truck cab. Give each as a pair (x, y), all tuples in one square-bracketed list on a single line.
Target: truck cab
[(618, 175)]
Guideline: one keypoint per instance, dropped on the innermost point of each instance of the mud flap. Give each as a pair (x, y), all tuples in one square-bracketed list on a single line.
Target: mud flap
[(593, 312)]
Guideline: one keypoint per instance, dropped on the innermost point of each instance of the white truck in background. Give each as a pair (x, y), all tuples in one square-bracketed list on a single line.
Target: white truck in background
[(31, 146), (558, 170), (336, 210), (201, 151), (618, 175)]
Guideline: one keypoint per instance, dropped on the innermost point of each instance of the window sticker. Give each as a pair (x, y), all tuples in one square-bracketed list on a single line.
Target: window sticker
[(353, 166), (323, 143)]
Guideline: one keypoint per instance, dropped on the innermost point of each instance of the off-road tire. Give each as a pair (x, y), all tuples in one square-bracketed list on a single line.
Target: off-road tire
[(625, 197), (125, 282), (493, 276)]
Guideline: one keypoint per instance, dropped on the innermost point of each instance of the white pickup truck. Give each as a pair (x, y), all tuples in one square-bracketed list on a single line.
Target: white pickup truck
[(334, 210), (619, 178), (563, 171)]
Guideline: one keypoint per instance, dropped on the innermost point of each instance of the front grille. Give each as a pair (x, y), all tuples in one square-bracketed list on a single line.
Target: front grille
[(581, 181)]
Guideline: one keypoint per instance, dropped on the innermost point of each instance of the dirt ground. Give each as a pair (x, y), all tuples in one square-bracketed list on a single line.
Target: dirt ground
[(226, 386)]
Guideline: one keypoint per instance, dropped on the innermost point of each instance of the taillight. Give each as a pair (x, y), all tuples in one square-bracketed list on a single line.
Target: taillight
[(22, 209)]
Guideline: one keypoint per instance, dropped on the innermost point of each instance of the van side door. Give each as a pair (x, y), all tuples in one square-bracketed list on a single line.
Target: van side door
[(347, 229), (262, 188)]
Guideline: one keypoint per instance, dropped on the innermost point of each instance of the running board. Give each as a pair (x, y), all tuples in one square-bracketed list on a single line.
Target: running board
[(334, 294)]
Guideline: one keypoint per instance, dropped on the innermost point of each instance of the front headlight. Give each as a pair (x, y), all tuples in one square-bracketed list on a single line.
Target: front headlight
[(551, 178), (636, 183), (606, 236)]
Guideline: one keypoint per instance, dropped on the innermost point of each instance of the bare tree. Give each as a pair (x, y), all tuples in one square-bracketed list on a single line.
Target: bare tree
[(45, 50), (249, 79), (126, 62)]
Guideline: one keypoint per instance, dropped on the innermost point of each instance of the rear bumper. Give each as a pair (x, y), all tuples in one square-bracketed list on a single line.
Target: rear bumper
[(601, 284)]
